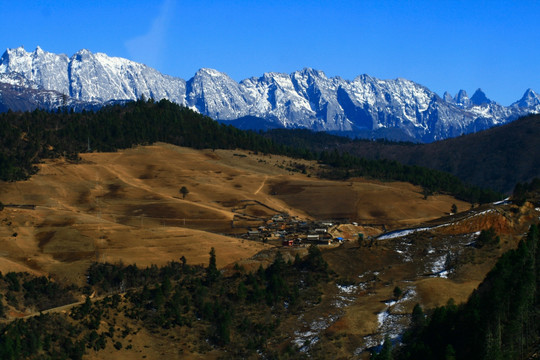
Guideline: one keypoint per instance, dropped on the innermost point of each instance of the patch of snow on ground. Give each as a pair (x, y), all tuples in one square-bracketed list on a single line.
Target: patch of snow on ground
[(409, 295), (404, 251), (502, 202), (369, 342), (406, 257), (444, 274), (484, 212), (401, 233), (348, 289), (392, 322), (304, 339), (382, 317), (439, 265), (364, 274), (311, 331), (346, 295)]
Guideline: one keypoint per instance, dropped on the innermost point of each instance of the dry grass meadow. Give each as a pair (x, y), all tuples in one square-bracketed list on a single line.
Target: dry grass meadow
[(126, 206)]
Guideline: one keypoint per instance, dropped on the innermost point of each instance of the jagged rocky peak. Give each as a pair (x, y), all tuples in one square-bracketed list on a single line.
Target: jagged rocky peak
[(82, 54), (305, 98), (462, 98), (40, 53), (15, 52), (206, 78), (309, 82), (13, 57), (210, 72), (215, 94), (363, 79), (480, 98), (529, 99), (448, 98), (307, 71), (46, 70), (19, 59)]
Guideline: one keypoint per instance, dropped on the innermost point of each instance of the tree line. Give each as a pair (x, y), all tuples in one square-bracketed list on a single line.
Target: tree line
[(29, 137), (240, 313), (527, 191)]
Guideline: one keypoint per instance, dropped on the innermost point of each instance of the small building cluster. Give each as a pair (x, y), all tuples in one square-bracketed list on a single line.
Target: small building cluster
[(291, 231)]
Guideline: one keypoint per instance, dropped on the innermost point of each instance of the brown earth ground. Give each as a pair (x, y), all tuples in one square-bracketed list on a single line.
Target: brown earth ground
[(126, 206)]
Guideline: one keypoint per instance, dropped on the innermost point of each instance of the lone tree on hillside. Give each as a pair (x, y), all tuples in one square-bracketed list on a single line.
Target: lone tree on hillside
[(397, 292), (184, 191), (360, 239), (212, 272), (453, 210)]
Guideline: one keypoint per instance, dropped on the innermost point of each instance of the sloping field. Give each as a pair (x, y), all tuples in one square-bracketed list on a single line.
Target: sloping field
[(393, 204), (126, 206)]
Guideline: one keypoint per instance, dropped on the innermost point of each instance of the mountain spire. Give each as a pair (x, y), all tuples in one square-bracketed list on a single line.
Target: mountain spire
[(462, 98), (529, 99), (480, 98), (448, 98)]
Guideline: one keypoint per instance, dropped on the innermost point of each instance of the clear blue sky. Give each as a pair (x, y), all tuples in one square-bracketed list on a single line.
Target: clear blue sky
[(444, 45)]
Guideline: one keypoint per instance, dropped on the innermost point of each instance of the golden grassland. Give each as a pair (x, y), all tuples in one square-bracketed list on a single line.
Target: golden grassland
[(126, 207)]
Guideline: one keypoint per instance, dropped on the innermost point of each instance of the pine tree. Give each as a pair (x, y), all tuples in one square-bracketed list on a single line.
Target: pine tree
[(2, 308), (212, 273)]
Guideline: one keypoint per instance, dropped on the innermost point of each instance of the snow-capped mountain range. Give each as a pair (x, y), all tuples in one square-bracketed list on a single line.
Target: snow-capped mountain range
[(303, 99)]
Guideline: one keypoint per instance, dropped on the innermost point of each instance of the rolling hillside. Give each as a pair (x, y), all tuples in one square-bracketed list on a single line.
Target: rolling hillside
[(497, 158), (126, 206)]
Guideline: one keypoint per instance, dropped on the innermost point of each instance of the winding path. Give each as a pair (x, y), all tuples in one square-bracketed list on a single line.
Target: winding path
[(262, 185)]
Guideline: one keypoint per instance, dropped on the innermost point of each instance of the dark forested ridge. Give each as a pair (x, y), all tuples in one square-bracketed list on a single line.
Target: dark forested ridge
[(26, 138), (497, 158)]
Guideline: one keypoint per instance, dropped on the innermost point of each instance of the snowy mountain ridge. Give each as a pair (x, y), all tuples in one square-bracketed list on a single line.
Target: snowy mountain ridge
[(303, 99)]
